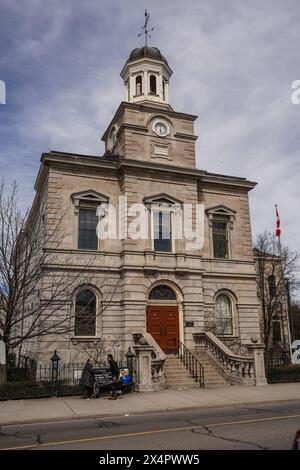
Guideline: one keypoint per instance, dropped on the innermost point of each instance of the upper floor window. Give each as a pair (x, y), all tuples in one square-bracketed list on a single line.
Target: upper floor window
[(221, 222), (223, 312), (162, 231), (220, 239), (88, 220), (272, 285), (86, 204), (138, 85), (85, 313), (153, 84), (163, 210)]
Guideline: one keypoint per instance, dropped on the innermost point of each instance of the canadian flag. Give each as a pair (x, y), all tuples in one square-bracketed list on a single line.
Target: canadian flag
[(278, 230)]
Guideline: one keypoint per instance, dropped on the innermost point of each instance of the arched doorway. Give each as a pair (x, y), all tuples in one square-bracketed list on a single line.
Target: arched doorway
[(163, 318)]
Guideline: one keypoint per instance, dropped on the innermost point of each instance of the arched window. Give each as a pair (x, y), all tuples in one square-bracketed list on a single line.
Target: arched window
[(162, 292), (138, 85), (85, 313), (224, 324), (152, 84), (272, 285)]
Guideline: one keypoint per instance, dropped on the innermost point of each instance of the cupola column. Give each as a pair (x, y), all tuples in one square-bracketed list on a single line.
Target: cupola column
[(145, 90), (131, 88), (160, 86)]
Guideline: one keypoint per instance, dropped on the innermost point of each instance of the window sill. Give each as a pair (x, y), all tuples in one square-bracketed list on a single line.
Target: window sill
[(84, 339), (86, 250), (233, 336)]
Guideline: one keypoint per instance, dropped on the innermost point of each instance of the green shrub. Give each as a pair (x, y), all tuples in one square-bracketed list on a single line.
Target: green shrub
[(289, 373)]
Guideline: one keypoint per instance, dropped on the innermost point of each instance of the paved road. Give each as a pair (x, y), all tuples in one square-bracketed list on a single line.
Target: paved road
[(263, 426)]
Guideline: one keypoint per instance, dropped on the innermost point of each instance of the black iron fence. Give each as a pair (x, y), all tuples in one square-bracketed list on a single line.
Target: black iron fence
[(45, 380), (273, 359), (279, 368)]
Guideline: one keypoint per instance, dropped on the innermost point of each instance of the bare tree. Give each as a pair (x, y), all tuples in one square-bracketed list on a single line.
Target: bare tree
[(98, 350), (276, 267), (35, 288), (295, 317)]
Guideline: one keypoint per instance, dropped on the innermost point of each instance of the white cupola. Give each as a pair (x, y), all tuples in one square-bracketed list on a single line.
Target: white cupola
[(146, 76)]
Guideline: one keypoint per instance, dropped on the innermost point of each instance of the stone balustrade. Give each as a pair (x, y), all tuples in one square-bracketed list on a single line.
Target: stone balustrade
[(236, 369)]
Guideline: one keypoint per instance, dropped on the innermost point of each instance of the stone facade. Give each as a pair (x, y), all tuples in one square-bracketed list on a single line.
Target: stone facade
[(148, 168)]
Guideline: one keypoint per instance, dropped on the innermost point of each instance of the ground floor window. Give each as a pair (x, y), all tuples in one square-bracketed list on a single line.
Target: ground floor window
[(85, 313), (223, 309)]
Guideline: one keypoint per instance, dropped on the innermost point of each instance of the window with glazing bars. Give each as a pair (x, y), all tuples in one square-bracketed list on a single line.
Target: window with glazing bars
[(88, 239), (162, 231), (85, 313), (220, 239)]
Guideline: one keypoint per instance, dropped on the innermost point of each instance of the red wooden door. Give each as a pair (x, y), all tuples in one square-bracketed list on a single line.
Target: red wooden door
[(163, 325)]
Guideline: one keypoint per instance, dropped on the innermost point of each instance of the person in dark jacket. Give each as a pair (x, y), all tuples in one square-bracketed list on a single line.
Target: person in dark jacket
[(87, 379), (114, 370)]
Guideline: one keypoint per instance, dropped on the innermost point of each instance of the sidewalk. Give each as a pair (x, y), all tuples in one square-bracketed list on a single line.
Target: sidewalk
[(65, 408)]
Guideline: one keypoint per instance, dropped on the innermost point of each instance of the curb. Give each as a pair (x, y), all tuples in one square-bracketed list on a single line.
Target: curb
[(138, 413)]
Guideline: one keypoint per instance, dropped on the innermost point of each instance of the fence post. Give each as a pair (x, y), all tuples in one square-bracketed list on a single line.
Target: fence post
[(54, 375), (143, 366), (257, 351), (2, 362)]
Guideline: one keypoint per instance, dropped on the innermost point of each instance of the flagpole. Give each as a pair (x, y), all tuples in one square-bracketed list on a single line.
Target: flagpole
[(278, 235)]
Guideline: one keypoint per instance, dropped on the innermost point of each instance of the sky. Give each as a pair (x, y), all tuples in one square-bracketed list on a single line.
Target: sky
[(234, 63)]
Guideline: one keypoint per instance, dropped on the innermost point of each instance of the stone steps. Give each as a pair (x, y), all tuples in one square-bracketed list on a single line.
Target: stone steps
[(177, 376)]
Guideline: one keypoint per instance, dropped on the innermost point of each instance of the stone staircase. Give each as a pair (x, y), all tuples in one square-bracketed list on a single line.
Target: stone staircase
[(211, 374), (177, 377)]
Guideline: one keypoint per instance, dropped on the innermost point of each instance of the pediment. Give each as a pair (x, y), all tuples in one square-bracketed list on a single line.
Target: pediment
[(89, 196), (161, 198), (221, 210)]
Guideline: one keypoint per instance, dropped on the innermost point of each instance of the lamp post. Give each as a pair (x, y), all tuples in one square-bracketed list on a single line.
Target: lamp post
[(129, 359), (54, 375)]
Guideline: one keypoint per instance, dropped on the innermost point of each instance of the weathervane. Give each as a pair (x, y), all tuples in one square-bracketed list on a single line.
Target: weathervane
[(144, 28)]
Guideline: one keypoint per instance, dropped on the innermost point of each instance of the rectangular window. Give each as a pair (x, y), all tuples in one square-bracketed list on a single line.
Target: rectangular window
[(220, 240), (276, 331), (162, 231), (88, 239)]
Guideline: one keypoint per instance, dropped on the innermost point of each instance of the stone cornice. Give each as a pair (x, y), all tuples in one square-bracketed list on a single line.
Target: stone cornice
[(69, 159), (167, 110)]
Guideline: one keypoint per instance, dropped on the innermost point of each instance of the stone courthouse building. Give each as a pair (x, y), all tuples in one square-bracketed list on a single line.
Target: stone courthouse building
[(168, 286)]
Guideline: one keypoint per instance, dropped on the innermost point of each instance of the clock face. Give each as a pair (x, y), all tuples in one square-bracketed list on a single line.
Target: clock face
[(161, 128)]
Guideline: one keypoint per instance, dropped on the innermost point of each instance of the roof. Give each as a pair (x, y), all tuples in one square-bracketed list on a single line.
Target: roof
[(151, 52)]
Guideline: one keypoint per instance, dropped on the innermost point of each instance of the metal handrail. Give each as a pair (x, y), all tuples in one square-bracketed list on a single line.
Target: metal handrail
[(191, 363)]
